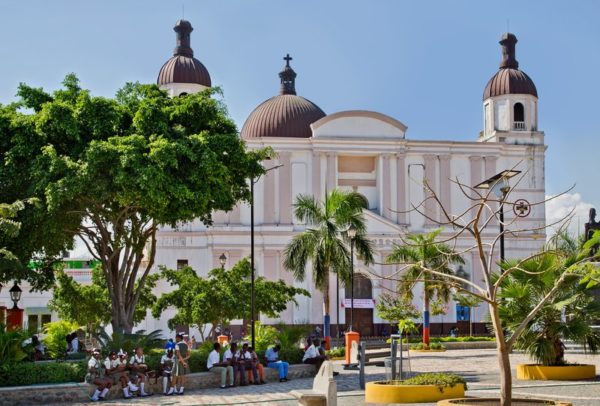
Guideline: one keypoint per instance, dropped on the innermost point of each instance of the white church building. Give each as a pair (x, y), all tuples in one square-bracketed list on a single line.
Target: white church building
[(370, 153)]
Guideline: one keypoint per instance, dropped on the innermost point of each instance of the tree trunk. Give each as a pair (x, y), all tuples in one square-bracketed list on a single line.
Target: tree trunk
[(326, 317), (425, 317), (503, 359)]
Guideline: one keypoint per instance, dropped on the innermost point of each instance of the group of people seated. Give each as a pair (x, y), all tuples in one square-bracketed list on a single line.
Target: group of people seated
[(242, 366), (237, 366)]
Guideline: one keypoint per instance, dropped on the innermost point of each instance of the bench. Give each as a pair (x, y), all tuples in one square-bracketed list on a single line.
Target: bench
[(324, 391)]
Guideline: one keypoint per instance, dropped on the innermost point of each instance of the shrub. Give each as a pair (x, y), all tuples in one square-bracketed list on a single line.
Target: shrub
[(264, 336), (337, 352), (31, 373), (291, 355), (56, 334), (11, 349), (290, 336), (438, 379), (436, 346)]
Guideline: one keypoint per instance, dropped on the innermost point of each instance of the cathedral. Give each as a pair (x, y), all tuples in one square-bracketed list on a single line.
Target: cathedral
[(360, 150)]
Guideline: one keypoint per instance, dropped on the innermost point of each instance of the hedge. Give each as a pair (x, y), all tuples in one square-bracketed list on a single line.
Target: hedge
[(45, 372)]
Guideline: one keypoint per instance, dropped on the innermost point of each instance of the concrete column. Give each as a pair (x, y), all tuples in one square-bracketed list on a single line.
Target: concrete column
[(386, 188), (445, 184), (401, 191), (285, 189), (316, 175), (331, 171), (431, 206)]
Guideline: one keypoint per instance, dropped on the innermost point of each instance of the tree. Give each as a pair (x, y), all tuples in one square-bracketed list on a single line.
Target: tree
[(111, 171), (423, 252), (393, 309), (325, 241), (223, 296), (567, 315), (474, 224), (79, 303)]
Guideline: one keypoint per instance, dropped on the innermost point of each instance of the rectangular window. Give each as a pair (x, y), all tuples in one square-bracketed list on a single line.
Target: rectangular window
[(46, 318), (181, 263), (32, 323)]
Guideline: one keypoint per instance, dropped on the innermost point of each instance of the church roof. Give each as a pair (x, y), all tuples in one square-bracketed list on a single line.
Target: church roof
[(183, 67), (285, 115), (509, 79)]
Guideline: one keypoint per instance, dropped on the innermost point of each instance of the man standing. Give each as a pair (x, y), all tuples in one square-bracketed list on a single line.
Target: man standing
[(273, 361), (214, 364), (181, 357)]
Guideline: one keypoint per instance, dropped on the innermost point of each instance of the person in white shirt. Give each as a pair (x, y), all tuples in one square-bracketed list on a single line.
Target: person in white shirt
[(166, 364), (231, 356), (139, 370), (214, 364), (116, 368), (312, 356), (273, 361), (245, 356), (95, 376)]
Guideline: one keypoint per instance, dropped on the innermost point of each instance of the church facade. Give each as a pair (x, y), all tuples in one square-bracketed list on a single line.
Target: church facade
[(374, 155)]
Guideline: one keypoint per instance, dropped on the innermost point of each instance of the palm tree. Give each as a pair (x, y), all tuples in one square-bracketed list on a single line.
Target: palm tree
[(423, 252), (568, 315), (325, 241)]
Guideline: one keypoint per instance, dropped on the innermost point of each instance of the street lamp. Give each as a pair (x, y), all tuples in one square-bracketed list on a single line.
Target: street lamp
[(499, 185), (223, 260), (351, 235), (15, 294), (252, 305)]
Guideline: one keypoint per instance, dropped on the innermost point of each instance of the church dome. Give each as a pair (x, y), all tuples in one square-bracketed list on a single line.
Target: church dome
[(285, 115), (509, 79), (183, 67)]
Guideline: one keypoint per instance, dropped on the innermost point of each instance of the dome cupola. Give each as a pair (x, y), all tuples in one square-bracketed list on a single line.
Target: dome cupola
[(510, 101), (285, 115), (183, 73)]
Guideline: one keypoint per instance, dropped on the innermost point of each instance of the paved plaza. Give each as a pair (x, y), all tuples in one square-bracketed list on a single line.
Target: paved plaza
[(477, 366)]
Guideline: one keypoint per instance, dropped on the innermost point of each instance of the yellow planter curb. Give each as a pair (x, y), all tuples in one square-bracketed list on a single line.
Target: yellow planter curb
[(555, 373), (496, 401), (382, 392)]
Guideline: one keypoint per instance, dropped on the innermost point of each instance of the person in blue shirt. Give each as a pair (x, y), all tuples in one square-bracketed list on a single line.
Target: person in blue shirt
[(273, 361)]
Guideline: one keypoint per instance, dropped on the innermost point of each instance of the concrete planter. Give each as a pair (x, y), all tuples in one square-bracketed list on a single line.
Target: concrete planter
[(386, 392), (443, 350), (496, 402), (555, 373)]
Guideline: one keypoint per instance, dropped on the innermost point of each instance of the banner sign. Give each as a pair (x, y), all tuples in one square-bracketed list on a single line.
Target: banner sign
[(359, 303)]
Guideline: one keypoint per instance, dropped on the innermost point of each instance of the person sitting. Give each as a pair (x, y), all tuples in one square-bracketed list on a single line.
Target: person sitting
[(38, 348), (215, 365), (312, 356), (259, 368), (95, 376), (166, 367), (273, 361), (139, 370), (308, 343), (231, 356), (116, 368), (246, 357)]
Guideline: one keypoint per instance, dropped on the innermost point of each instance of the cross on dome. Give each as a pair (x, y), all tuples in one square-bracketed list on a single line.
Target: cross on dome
[(287, 60)]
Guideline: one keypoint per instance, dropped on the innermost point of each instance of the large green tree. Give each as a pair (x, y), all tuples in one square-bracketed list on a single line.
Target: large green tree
[(79, 303), (111, 171), (325, 242), (223, 296), (422, 252)]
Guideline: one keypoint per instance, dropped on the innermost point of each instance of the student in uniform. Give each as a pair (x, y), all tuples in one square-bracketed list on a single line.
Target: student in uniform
[(139, 370), (246, 357), (166, 365), (214, 364), (312, 356), (259, 367), (273, 361), (95, 376), (231, 356), (116, 368), (180, 367)]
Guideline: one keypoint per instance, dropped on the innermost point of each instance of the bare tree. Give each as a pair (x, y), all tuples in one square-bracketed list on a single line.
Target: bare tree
[(474, 226)]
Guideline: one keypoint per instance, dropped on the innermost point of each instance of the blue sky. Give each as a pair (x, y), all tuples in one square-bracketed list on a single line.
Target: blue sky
[(425, 63)]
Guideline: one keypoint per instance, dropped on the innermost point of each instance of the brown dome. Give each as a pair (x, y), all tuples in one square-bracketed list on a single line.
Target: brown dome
[(183, 67), (285, 115), (509, 79)]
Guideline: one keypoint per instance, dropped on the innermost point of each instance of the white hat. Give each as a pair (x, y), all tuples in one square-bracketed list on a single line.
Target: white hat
[(95, 351), (121, 353)]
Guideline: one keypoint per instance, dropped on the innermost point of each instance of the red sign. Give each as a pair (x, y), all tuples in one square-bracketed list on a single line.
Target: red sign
[(359, 303)]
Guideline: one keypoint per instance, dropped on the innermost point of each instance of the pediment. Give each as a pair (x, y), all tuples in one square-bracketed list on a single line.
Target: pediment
[(358, 124)]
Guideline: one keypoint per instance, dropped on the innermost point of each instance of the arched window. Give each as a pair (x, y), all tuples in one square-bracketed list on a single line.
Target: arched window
[(363, 288), (519, 116)]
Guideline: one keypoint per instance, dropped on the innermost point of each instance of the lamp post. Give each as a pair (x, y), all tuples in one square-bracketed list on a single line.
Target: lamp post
[(351, 235), (223, 260), (14, 316), (252, 304), (499, 185), (15, 294)]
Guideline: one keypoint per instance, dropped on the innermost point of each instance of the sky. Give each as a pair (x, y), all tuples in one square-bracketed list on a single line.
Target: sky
[(424, 63)]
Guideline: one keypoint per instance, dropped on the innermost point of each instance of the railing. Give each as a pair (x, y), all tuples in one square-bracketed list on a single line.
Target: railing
[(519, 125)]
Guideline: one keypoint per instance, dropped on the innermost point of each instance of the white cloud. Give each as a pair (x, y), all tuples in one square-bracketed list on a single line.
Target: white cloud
[(558, 208)]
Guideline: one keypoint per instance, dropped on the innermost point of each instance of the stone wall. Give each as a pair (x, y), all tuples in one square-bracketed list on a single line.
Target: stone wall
[(79, 392)]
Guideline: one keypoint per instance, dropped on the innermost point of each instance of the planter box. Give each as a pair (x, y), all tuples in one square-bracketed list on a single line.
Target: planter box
[(383, 392), (496, 402), (555, 373), (444, 350)]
